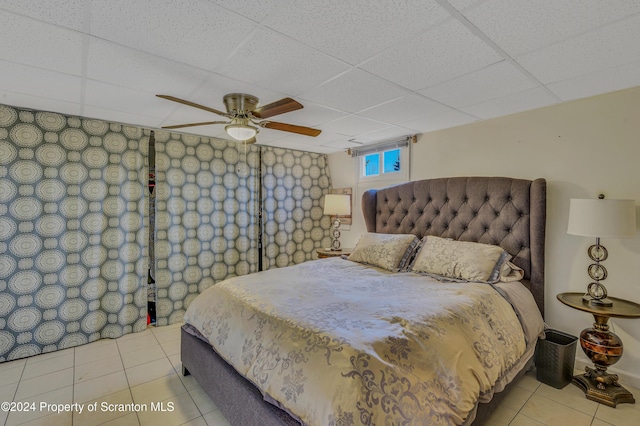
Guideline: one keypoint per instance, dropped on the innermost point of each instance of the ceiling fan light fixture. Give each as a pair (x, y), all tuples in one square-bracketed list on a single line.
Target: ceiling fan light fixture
[(240, 132)]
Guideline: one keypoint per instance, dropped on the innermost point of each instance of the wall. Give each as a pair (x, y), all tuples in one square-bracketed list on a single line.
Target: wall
[(582, 148)]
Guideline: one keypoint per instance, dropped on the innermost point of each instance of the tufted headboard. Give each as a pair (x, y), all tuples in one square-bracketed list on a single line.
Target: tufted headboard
[(503, 211)]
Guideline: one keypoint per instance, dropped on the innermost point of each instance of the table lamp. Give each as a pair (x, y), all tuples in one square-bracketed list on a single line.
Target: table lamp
[(337, 205), (601, 218)]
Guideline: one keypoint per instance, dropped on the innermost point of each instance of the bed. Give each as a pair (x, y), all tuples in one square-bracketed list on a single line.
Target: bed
[(346, 376)]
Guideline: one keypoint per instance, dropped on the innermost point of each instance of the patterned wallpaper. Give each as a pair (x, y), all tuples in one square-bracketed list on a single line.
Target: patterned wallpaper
[(73, 251), (74, 224)]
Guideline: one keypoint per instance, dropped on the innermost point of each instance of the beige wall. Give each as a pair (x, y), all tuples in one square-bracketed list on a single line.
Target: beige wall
[(582, 148)]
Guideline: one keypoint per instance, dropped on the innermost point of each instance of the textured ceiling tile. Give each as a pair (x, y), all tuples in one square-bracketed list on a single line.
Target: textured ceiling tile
[(269, 59), (119, 65), (408, 108), (353, 91), (451, 118), (615, 44), (65, 13), (21, 100), (124, 100), (491, 82), (35, 43), (442, 53), (608, 80), (254, 10), (511, 104), (24, 79), (355, 30), (353, 125), (520, 26), (311, 115), (198, 33), (388, 133)]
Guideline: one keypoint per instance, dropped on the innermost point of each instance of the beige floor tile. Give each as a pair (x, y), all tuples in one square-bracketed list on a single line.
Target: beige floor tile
[(60, 419), (167, 333), (99, 387), (8, 391), (571, 396), (143, 341), (9, 365), (90, 353), (149, 371), (622, 415), (142, 356), (102, 367), (189, 382), (176, 362), (134, 336), (58, 396), (3, 417), (176, 410), (11, 375), (516, 398), (44, 383), (598, 422), (109, 407), (521, 420), (50, 365), (202, 400), (172, 347), (501, 416), (49, 356), (549, 412), (216, 418), (200, 421), (158, 389), (128, 420), (529, 382)]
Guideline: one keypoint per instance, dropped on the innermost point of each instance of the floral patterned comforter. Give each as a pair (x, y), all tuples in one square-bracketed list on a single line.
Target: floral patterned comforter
[(339, 343)]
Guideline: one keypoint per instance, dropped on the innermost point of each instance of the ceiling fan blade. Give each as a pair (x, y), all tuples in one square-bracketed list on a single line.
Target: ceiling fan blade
[(204, 123), (302, 130), (277, 107), (192, 104)]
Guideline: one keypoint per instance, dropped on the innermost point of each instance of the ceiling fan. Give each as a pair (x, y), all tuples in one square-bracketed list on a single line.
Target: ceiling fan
[(246, 117)]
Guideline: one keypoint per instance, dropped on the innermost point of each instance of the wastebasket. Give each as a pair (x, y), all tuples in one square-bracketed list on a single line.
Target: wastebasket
[(555, 357)]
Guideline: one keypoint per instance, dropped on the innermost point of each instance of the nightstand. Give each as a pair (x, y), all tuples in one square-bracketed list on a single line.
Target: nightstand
[(324, 253), (603, 348)]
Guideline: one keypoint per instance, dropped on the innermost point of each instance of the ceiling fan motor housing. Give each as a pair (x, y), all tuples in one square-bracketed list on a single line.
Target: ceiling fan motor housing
[(241, 103)]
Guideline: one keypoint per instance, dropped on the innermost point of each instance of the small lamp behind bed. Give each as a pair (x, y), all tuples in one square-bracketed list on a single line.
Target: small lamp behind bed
[(336, 205)]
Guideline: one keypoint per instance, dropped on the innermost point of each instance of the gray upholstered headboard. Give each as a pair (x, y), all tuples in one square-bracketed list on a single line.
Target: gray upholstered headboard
[(503, 211)]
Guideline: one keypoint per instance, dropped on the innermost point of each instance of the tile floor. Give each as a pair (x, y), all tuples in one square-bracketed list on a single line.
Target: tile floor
[(144, 368)]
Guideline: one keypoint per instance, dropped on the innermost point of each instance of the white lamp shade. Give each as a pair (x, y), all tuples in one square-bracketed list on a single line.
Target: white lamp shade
[(337, 204), (240, 132), (602, 218)]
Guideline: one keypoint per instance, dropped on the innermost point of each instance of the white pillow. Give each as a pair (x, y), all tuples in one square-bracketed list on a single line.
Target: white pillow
[(387, 251), (460, 260)]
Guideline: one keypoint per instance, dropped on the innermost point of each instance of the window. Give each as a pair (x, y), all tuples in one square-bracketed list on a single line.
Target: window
[(390, 161), (383, 162)]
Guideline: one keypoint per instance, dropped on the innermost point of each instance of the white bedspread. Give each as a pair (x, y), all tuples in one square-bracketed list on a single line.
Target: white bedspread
[(339, 343)]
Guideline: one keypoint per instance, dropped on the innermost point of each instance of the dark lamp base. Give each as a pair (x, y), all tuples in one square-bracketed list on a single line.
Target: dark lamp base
[(611, 395)]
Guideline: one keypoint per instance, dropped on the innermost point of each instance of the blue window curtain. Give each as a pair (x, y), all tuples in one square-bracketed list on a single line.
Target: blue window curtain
[(73, 231)]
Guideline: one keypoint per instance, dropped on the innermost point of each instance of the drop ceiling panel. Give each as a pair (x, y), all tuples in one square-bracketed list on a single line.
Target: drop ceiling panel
[(353, 91), (254, 10), (124, 100), (354, 31), (197, 33), (446, 51), (39, 44), (511, 104), (388, 133), (603, 81), (520, 26), (269, 59), (19, 78), (38, 103), (613, 45), (445, 120), (494, 81), (121, 66), (66, 13), (353, 125), (407, 108)]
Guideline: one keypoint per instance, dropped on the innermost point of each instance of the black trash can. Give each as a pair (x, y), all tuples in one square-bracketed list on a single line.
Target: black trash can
[(555, 358)]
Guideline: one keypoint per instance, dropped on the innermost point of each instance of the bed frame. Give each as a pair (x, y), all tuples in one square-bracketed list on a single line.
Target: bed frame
[(503, 211)]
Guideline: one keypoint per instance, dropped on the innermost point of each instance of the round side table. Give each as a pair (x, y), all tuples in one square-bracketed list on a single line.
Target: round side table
[(603, 348)]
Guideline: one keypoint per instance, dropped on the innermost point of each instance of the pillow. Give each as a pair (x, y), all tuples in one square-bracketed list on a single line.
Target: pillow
[(460, 260), (510, 273), (387, 251)]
